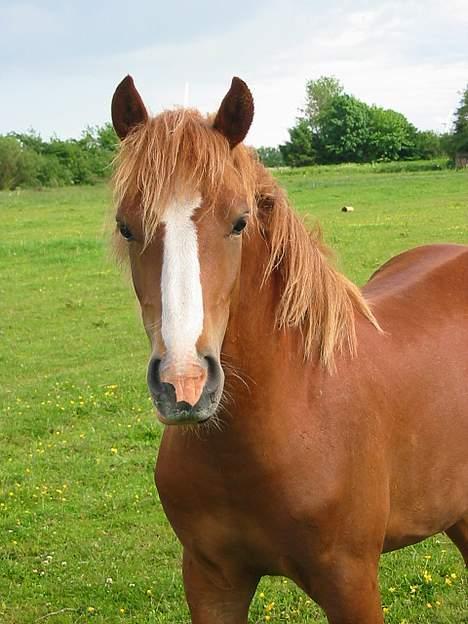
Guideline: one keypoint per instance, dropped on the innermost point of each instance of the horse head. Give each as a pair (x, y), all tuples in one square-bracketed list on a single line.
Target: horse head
[(182, 209)]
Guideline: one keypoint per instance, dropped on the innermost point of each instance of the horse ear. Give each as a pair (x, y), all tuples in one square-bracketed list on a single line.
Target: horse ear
[(236, 112), (128, 109)]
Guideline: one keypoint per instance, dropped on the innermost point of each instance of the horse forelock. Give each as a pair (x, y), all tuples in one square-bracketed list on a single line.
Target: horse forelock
[(178, 153), (175, 154)]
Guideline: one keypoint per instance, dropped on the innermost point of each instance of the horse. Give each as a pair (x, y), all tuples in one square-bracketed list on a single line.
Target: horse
[(309, 425)]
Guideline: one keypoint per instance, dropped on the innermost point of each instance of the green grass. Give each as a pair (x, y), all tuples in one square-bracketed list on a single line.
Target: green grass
[(83, 534)]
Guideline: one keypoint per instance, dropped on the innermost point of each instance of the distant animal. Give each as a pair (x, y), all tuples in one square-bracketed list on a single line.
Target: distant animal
[(347, 209), (310, 425)]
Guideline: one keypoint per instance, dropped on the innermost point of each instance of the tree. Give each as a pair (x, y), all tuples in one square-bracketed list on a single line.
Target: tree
[(299, 150), (460, 127), (428, 144), (28, 160), (344, 129), (107, 138), (391, 136), (319, 96), (270, 156)]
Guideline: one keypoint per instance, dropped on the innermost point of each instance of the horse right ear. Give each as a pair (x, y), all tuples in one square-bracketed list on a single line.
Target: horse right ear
[(128, 109), (236, 112)]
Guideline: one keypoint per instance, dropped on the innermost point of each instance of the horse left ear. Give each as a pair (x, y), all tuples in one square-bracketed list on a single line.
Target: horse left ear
[(128, 109), (236, 112)]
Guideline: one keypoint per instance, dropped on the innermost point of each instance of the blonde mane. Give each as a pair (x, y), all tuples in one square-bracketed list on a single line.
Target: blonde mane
[(180, 150)]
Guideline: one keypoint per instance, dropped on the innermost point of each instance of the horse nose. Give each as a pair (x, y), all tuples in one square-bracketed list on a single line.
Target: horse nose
[(185, 394), (188, 383)]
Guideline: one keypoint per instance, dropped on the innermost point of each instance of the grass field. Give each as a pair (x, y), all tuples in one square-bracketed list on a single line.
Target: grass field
[(83, 536)]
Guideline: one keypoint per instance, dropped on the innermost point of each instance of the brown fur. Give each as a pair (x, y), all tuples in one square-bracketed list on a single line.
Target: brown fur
[(179, 150)]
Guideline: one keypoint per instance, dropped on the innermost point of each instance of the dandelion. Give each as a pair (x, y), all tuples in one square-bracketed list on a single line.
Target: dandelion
[(91, 610), (114, 450), (392, 589), (453, 575), (428, 605), (149, 592)]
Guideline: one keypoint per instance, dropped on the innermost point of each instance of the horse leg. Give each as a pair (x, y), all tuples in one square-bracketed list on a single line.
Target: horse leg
[(458, 533), (212, 601), (349, 592)]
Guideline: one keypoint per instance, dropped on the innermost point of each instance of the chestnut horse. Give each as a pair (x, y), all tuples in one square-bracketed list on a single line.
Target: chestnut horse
[(311, 426)]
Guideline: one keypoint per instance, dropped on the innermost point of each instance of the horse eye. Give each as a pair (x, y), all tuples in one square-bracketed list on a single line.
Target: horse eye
[(125, 231), (239, 225)]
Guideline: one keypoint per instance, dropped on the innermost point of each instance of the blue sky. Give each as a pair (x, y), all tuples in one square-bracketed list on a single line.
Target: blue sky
[(60, 61)]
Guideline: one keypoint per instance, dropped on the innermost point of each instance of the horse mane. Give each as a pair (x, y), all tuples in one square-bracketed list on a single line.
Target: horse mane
[(177, 152), (315, 297)]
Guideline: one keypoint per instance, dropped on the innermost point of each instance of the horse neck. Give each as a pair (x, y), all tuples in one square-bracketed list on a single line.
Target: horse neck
[(253, 345)]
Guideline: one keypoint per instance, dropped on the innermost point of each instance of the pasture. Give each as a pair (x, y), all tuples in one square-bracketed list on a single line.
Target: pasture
[(84, 537)]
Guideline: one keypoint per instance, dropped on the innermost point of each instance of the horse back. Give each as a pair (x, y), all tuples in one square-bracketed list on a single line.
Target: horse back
[(434, 275)]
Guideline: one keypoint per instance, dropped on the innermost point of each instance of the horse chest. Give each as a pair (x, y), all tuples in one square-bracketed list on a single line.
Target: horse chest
[(251, 512)]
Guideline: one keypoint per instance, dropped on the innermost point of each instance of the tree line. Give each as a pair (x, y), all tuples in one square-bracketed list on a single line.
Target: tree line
[(335, 127), (27, 160)]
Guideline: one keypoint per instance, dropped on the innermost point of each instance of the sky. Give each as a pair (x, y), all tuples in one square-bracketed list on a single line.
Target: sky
[(61, 61)]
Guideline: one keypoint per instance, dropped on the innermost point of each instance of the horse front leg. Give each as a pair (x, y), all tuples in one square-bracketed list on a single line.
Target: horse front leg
[(213, 599), (348, 591)]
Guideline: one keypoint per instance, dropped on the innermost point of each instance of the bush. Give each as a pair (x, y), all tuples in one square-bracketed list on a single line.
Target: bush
[(19, 166), (26, 160), (270, 156)]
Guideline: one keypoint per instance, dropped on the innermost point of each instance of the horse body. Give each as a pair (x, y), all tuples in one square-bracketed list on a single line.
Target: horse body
[(315, 440), (333, 468)]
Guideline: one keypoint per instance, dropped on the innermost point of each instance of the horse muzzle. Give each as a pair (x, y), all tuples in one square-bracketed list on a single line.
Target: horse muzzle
[(188, 394)]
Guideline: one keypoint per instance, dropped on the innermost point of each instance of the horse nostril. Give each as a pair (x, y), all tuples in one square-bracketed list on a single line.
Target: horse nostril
[(153, 377), (215, 374)]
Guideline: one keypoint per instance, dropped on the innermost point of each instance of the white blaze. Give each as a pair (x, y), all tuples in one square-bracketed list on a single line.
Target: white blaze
[(181, 291)]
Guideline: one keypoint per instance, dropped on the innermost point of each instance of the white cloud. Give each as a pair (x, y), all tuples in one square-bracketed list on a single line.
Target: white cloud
[(410, 56)]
